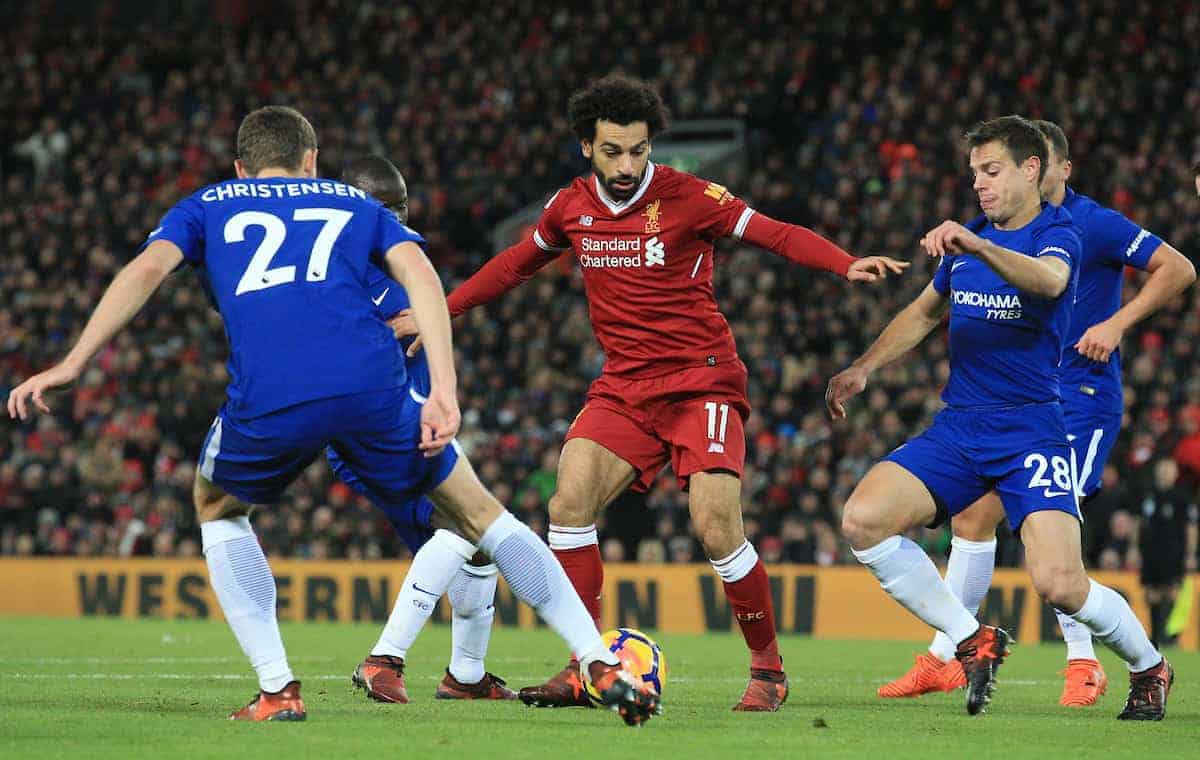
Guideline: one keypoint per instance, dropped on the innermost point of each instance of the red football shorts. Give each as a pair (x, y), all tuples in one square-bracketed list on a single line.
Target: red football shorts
[(693, 418)]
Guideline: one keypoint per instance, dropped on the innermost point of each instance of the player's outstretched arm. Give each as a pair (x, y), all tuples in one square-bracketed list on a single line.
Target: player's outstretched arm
[(125, 296), (902, 334), (440, 416), (1170, 274), (802, 246), (1043, 276), (503, 272)]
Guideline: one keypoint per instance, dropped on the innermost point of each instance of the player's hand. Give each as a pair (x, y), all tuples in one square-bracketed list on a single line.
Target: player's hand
[(872, 268), (1100, 340), (414, 347), (949, 238), (843, 386), (440, 419), (403, 324), (36, 387)]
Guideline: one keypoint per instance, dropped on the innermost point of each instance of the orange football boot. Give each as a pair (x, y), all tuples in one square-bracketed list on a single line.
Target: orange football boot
[(489, 687), (1085, 682), (620, 692), (284, 704), (981, 656), (382, 678), (928, 674)]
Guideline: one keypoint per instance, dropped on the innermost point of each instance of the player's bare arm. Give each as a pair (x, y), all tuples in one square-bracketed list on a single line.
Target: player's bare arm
[(440, 416), (1170, 274), (1047, 276), (902, 334), (123, 299)]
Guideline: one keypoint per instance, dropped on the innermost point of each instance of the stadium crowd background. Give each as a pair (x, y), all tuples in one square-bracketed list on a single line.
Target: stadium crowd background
[(109, 115)]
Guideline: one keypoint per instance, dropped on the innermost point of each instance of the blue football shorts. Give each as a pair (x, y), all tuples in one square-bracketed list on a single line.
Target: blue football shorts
[(377, 434), (1022, 452)]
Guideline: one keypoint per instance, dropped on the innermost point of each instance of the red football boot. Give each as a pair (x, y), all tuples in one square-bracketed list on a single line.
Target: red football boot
[(766, 692), (382, 678), (284, 704), (981, 656), (1148, 692), (489, 687), (565, 689)]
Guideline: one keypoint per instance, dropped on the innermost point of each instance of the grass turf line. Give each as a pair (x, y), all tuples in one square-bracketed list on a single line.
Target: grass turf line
[(154, 688)]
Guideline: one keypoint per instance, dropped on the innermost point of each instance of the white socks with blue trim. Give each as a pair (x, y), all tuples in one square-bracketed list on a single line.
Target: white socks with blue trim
[(471, 594), (245, 589)]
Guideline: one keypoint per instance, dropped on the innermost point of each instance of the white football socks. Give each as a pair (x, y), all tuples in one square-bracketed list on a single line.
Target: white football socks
[(245, 589), (911, 578), (471, 595), (1109, 617), (433, 568), (536, 578), (968, 574), (1078, 638)]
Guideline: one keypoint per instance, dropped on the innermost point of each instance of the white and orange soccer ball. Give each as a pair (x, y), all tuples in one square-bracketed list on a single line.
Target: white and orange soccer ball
[(640, 656)]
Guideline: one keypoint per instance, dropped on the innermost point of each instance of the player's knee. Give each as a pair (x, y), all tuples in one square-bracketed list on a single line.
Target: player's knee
[(862, 525), (1061, 585), (570, 509), (213, 503), (720, 539)]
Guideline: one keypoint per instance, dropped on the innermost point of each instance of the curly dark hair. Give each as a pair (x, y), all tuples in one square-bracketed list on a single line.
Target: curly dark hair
[(619, 99), (1019, 135)]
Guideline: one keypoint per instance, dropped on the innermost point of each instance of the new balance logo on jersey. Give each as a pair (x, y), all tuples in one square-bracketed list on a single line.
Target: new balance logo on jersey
[(656, 255), (586, 220), (716, 448)]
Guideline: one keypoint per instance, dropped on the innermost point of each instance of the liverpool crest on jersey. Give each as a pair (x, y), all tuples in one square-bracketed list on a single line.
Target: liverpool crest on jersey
[(653, 214)]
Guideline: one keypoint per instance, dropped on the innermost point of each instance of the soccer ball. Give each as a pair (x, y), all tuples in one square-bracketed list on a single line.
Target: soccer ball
[(640, 656)]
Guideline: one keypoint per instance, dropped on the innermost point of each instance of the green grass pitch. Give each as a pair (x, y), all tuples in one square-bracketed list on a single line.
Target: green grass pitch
[(155, 688)]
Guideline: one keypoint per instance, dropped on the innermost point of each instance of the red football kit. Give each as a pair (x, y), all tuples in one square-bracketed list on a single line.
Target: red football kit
[(673, 388)]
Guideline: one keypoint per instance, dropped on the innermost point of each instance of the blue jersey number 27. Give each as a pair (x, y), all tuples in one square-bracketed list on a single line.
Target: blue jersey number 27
[(258, 275)]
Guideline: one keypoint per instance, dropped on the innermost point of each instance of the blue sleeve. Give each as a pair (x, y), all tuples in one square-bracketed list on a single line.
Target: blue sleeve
[(1119, 241), (1061, 241), (941, 278), (183, 225), (389, 296)]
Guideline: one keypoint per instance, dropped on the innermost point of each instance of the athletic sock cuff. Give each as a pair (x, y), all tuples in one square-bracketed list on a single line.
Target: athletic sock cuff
[(562, 537), (738, 564), (216, 532), (878, 551), (455, 543), (480, 571), (504, 526), (973, 547)]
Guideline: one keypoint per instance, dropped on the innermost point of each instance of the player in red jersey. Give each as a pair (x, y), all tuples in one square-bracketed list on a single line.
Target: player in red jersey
[(673, 388)]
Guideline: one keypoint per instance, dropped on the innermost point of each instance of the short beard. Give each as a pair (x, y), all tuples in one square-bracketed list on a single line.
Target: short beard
[(620, 196)]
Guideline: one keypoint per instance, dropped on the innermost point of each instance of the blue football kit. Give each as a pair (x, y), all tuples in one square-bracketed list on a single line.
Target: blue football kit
[(1003, 425), (411, 518), (1091, 391), (287, 262)]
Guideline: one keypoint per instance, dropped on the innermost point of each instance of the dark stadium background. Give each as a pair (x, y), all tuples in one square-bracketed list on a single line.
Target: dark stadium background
[(110, 112)]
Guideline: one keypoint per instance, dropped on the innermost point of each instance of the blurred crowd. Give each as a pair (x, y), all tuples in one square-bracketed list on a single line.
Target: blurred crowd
[(854, 113)]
